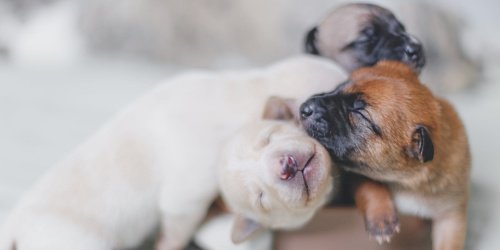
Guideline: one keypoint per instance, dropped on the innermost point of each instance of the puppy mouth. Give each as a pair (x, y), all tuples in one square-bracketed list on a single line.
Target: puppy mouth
[(291, 167), (304, 176)]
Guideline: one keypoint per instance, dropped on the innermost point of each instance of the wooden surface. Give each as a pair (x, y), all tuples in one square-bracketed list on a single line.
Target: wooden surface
[(343, 229)]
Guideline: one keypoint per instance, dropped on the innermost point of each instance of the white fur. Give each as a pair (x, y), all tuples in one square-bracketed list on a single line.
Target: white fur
[(154, 160), (409, 204), (425, 207), (209, 236)]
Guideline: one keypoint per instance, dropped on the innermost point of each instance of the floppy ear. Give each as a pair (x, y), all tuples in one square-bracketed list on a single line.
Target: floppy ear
[(243, 228), (310, 42), (277, 108), (421, 146)]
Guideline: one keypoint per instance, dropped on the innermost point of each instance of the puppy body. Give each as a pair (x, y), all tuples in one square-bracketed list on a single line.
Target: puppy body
[(155, 160), (386, 125)]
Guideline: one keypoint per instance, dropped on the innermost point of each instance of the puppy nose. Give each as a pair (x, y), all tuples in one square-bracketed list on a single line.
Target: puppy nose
[(307, 109), (289, 167), (413, 50)]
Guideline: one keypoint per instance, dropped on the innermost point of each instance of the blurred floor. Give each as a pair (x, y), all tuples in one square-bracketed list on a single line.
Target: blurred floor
[(343, 229)]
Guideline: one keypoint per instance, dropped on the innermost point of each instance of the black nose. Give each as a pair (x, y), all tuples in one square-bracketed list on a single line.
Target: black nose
[(308, 108), (306, 112), (413, 51)]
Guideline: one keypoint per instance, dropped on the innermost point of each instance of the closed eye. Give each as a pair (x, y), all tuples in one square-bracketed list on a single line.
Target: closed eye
[(365, 115), (259, 201), (358, 104), (264, 138), (262, 142), (369, 34)]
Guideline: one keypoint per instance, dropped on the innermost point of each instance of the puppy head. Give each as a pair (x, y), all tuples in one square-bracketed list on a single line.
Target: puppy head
[(357, 35), (382, 123), (272, 174)]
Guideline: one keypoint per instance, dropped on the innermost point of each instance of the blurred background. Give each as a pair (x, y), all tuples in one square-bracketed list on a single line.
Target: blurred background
[(66, 66)]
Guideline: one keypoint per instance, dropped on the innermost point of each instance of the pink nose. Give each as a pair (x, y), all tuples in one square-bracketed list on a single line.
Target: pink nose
[(289, 167)]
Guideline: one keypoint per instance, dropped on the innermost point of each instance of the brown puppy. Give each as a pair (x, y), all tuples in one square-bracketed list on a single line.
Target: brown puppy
[(384, 124)]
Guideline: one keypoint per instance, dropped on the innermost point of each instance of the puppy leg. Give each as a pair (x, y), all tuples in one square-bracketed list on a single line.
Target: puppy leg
[(449, 230), (178, 229), (182, 213), (375, 203)]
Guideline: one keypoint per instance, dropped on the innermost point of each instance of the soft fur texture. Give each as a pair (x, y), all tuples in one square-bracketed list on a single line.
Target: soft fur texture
[(156, 161), (384, 124)]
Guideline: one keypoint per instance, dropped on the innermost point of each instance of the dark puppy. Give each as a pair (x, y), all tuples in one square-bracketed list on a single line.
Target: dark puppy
[(356, 35), (384, 124)]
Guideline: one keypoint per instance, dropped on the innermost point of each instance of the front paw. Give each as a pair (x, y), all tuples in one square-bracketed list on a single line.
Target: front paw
[(382, 227), (163, 244)]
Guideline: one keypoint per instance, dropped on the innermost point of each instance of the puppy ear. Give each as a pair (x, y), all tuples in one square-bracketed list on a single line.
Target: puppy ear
[(421, 146), (277, 108), (310, 42), (243, 228)]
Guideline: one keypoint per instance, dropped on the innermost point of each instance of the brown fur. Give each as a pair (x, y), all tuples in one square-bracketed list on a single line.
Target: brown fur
[(375, 203), (398, 103)]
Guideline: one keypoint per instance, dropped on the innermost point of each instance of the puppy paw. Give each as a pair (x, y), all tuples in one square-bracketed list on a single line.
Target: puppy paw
[(162, 244), (382, 227)]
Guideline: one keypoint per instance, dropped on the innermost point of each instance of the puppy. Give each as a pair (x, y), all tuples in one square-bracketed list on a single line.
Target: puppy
[(384, 124), (156, 161), (283, 173), (360, 34)]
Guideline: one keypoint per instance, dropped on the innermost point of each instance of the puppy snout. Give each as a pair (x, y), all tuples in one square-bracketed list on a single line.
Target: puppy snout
[(413, 51), (308, 109), (289, 167), (291, 163)]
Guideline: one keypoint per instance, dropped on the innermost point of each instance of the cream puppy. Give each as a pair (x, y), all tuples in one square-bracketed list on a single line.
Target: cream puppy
[(271, 175), (156, 160), (283, 172)]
